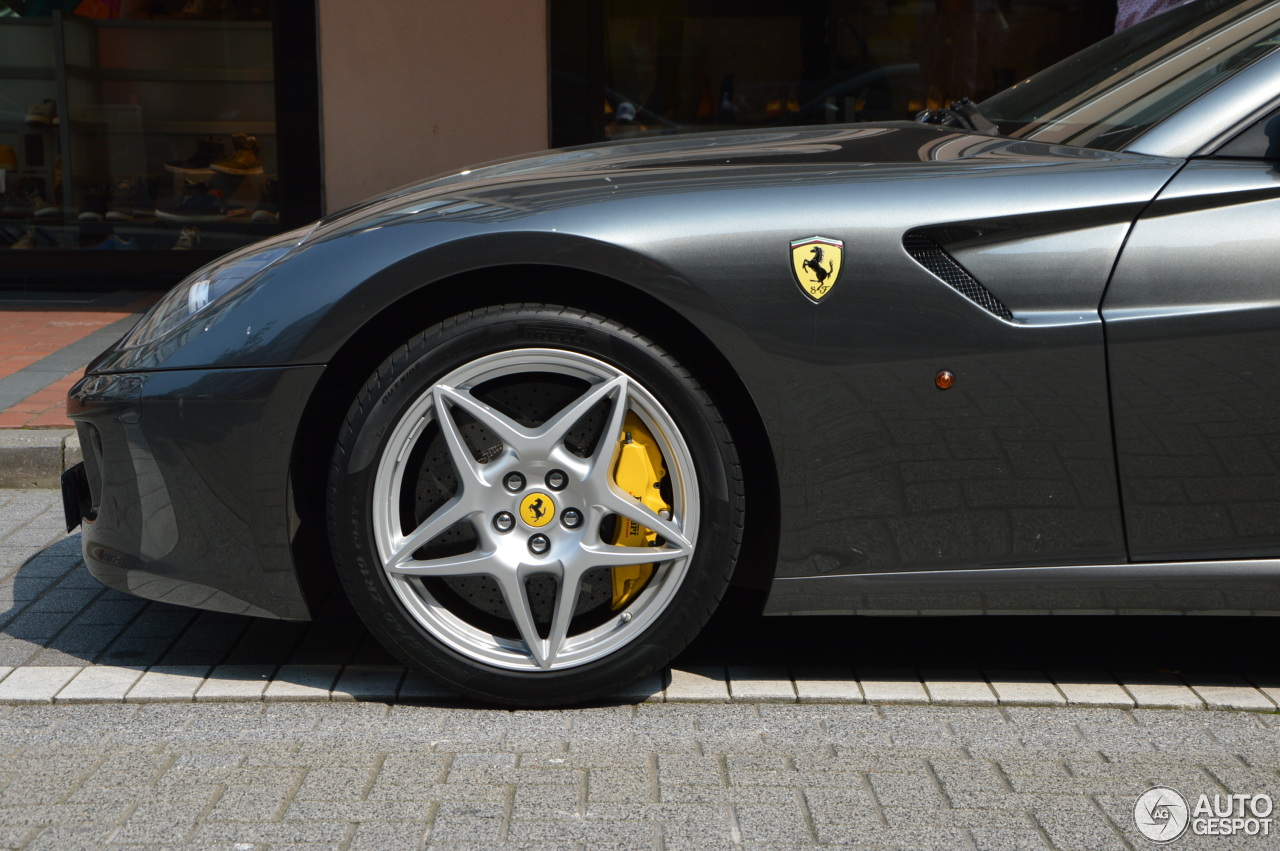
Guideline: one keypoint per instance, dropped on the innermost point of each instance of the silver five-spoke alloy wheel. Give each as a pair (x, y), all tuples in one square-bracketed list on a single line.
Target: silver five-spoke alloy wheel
[(574, 498)]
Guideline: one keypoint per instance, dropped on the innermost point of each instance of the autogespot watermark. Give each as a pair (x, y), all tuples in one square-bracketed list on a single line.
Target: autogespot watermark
[(1163, 815)]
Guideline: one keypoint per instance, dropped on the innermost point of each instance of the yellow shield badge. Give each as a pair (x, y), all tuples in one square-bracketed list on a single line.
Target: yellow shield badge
[(816, 264)]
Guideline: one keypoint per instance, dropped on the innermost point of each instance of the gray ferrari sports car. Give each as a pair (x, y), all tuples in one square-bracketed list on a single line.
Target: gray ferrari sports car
[(538, 416)]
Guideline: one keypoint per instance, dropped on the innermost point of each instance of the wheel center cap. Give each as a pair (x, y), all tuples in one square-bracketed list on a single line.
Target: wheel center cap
[(537, 509)]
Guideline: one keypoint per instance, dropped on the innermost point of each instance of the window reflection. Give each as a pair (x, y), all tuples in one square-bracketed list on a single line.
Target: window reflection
[(129, 125), (678, 66)]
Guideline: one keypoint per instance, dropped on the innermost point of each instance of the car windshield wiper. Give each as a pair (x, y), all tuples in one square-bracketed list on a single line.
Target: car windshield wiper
[(961, 113)]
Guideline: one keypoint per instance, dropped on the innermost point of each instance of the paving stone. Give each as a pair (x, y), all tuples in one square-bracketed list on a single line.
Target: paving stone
[(301, 683), (228, 683), (416, 686), (698, 684), (648, 689), (1268, 687), (14, 652), (1217, 692), (881, 685), (1025, 688), (996, 839), (35, 685), (38, 626), (958, 688), (761, 685), (1090, 689), (99, 684), (168, 684), (1160, 691), (377, 836), (827, 685), (368, 682)]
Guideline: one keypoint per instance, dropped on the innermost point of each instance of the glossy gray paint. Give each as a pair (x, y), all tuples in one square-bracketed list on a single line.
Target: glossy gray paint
[(1181, 588), (1193, 323), (190, 468), (878, 470)]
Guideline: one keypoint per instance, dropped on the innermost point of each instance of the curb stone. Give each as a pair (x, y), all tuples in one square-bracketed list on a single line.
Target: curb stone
[(36, 457), (705, 685)]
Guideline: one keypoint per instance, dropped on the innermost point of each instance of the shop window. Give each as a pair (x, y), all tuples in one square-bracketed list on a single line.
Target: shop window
[(627, 68), (139, 125)]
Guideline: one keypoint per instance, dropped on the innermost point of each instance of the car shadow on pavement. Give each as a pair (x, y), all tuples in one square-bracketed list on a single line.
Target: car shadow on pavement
[(60, 615), (1138, 646), (57, 614)]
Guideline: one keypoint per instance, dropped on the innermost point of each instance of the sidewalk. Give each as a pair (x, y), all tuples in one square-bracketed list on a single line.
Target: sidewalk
[(46, 339), (64, 638)]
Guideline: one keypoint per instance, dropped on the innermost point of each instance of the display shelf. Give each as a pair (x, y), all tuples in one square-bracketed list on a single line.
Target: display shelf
[(26, 72), (129, 85), (176, 75), (183, 24), (181, 128), (143, 93)]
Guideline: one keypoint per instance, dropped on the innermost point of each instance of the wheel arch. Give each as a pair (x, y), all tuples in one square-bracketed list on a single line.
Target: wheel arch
[(362, 352)]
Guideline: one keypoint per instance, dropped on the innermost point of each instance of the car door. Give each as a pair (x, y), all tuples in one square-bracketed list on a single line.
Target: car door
[(1192, 322)]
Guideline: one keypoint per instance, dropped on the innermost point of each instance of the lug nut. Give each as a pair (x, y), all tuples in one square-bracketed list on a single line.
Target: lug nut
[(514, 482), (556, 480), (503, 521), (539, 544), (571, 518)]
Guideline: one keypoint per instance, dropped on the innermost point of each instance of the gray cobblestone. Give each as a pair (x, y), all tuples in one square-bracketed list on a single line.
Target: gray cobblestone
[(182, 783)]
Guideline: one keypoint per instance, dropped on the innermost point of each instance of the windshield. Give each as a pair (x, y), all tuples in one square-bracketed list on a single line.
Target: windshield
[(1108, 95)]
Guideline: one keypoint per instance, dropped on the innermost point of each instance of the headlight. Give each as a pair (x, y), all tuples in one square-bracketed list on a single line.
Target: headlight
[(210, 284)]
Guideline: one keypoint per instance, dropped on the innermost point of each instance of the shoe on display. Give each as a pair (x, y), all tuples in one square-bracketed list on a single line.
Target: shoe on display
[(42, 209), (269, 207), (188, 239), (251, 10), (198, 204), (17, 202), (95, 205), (245, 160), (145, 189), (27, 240), (57, 181), (203, 10), (208, 149), (116, 243), (43, 114), (8, 158), (124, 200)]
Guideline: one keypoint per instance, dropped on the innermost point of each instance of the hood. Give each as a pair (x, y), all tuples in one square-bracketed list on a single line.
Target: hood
[(750, 154)]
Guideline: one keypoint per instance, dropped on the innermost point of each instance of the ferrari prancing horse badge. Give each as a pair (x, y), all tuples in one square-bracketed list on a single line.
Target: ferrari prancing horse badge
[(816, 264)]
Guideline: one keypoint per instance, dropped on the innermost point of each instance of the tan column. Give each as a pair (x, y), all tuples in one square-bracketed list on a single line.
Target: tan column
[(411, 88)]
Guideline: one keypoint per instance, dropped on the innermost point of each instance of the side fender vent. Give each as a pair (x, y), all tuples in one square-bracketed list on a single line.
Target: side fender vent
[(926, 251)]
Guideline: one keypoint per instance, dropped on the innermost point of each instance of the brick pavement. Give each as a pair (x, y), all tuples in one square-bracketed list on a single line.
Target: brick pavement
[(662, 776), (45, 341)]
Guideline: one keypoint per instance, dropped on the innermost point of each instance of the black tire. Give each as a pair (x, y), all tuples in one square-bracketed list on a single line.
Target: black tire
[(390, 477)]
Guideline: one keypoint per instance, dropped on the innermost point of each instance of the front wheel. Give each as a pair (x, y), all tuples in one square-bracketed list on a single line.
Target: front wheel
[(534, 505)]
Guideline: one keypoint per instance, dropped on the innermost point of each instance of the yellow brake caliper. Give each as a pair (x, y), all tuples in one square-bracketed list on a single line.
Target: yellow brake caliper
[(640, 469)]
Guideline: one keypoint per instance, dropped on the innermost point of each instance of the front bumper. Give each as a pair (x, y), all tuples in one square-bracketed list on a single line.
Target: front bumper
[(187, 474)]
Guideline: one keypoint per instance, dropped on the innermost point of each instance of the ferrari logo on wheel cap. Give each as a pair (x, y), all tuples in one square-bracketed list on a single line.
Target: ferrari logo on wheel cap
[(816, 262), (537, 509)]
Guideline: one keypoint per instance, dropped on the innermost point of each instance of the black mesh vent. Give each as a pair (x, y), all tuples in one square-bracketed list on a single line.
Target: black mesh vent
[(925, 250)]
